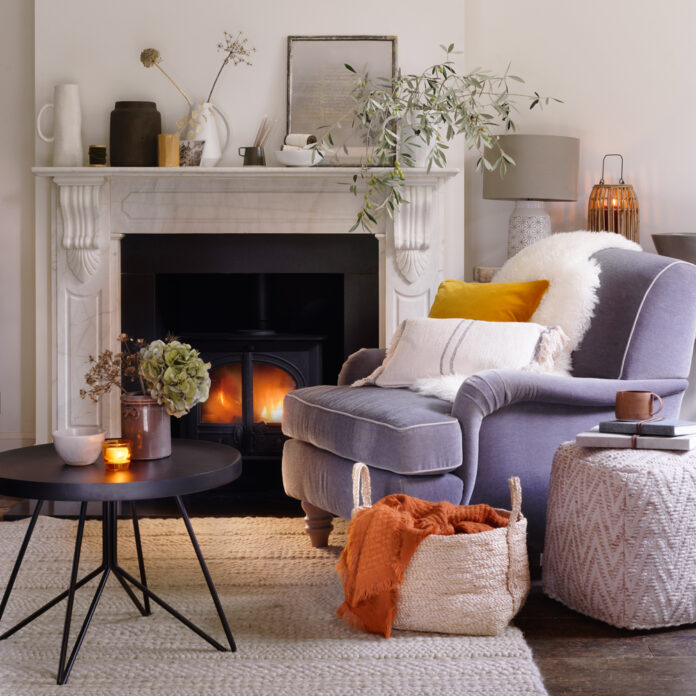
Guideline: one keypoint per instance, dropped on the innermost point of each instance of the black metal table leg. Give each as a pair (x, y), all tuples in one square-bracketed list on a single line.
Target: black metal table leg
[(52, 603), (109, 564), (20, 558), (141, 561), (85, 625), (62, 674), (167, 607), (206, 574), (110, 534)]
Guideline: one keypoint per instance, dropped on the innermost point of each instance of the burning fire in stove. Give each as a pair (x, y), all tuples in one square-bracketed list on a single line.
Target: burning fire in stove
[(270, 385), (224, 404)]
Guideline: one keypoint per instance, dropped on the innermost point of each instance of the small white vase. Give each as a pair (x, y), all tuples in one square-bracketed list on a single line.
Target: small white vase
[(204, 122), (67, 126)]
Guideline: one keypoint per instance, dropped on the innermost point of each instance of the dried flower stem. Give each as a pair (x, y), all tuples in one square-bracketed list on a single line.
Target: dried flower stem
[(150, 57), (181, 91), (237, 51)]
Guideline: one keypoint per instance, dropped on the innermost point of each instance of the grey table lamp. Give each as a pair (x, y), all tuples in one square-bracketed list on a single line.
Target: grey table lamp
[(546, 169)]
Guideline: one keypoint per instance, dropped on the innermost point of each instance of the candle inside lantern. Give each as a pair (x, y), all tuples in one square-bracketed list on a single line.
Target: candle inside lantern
[(117, 454)]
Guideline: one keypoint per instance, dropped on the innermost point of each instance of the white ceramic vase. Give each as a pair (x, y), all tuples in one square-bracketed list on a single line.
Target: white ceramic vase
[(205, 122), (67, 126)]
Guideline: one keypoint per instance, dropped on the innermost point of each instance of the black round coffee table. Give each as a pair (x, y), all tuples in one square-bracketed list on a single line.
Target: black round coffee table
[(38, 472)]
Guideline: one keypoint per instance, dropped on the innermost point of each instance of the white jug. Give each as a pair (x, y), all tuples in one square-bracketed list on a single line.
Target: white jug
[(202, 123), (67, 126)]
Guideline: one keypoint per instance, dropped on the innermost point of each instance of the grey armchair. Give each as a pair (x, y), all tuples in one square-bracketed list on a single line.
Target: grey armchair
[(503, 422)]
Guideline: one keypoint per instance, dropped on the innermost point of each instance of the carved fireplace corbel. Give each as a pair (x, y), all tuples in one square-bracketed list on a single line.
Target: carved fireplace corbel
[(79, 203)]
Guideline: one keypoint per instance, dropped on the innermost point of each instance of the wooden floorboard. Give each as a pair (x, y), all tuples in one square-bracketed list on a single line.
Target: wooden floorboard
[(579, 656)]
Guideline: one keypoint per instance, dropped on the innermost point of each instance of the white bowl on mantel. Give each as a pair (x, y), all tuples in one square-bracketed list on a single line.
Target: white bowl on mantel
[(79, 446), (299, 158)]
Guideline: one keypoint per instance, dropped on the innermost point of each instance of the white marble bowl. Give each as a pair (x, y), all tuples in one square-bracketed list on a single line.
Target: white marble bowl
[(299, 158), (79, 446)]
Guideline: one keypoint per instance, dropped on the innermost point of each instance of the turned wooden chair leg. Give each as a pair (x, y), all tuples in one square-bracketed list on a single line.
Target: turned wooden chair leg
[(318, 525)]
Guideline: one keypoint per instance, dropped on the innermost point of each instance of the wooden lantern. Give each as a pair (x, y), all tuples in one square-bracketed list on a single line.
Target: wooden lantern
[(614, 207)]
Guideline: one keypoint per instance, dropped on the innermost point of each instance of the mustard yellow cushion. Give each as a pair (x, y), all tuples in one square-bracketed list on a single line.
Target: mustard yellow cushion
[(488, 301)]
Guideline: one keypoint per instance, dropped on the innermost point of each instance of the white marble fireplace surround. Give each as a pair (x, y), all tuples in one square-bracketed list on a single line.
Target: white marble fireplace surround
[(83, 213)]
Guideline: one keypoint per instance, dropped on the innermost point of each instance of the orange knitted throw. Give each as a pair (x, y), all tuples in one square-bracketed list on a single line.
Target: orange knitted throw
[(381, 541)]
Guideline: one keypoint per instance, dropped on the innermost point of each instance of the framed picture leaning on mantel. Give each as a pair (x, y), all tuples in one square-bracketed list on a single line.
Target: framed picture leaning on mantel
[(320, 86)]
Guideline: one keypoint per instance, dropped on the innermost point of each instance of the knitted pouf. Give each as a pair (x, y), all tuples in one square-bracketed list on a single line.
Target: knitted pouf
[(621, 535)]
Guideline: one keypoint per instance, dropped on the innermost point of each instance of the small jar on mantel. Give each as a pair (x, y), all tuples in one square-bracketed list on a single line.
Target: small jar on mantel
[(147, 424)]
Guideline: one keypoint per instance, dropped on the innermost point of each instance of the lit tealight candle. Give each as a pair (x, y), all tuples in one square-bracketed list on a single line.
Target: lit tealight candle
[(117, 454)]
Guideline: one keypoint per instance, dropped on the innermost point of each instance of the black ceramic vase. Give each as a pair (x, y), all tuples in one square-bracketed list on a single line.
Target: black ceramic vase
[(135, 126)]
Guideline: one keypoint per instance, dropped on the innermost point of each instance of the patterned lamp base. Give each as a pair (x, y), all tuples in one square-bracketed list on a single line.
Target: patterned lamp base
[(529, 223)]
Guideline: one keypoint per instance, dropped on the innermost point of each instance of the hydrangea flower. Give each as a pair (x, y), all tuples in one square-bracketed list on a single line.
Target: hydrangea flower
[(175, 375)]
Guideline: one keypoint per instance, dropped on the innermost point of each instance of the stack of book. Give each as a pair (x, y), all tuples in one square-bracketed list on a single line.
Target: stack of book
[(664, 434)]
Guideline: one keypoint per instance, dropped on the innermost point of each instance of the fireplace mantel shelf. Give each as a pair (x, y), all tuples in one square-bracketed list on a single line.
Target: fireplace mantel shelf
[(414, 176)]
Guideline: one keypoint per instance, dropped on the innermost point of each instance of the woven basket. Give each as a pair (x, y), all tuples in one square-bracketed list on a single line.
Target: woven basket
[(470, 584)]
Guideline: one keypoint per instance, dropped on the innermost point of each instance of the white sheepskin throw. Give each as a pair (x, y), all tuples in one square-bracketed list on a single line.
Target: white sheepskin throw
[(564, 260)]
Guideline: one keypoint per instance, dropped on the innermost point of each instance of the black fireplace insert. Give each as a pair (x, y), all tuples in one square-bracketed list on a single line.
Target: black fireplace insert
[(271, 313)]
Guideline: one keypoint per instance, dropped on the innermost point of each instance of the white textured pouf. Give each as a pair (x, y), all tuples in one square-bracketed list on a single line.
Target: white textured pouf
[(621, 535)]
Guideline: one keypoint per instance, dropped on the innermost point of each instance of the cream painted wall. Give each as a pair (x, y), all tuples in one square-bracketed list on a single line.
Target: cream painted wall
[(17, 225), (624, 70)]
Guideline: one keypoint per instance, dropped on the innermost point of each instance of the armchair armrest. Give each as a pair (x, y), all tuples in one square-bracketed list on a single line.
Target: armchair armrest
[(531, 414), (360, 364), (489, 391)]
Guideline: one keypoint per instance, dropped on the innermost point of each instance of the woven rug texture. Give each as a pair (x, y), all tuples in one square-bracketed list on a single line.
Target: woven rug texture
[(280, 596)]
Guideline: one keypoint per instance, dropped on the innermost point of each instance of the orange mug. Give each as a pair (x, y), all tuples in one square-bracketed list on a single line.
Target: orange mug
[(636, 405)]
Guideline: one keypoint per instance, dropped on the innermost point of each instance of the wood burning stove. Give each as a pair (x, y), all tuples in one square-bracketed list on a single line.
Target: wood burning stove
[(250, 375)]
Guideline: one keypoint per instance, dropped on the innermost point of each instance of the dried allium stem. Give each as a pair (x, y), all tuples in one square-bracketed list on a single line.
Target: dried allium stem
[(181, 91)]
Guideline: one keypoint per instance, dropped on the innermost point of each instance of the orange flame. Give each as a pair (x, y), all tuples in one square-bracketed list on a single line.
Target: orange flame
[(224, 405), (271, 384)]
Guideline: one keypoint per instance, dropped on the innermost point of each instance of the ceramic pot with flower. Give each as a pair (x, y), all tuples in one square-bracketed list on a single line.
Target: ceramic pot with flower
[(206, 122), (147, 425), (173, 379)]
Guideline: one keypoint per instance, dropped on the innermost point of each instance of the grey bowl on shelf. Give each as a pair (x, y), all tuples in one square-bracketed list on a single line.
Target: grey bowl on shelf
[(680, 245)]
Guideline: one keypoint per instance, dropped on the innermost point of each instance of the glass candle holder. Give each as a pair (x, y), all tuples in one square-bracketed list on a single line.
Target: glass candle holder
[(117, 454)]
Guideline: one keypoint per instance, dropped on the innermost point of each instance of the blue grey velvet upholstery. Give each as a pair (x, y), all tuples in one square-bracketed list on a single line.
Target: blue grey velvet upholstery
[(510, 422), (313, 474), (397, 430), (361, 364), (643, 319), (516, 420)]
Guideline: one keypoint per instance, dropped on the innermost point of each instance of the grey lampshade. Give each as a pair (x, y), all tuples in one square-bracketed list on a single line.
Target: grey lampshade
[(546, 169)]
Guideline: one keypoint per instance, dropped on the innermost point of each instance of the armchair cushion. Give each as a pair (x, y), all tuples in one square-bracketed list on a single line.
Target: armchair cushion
[(488, 301), (432, 348), (392, 429)]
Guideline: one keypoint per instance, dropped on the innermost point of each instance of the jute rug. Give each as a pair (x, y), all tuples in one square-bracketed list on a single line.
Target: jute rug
[(280, 596)]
